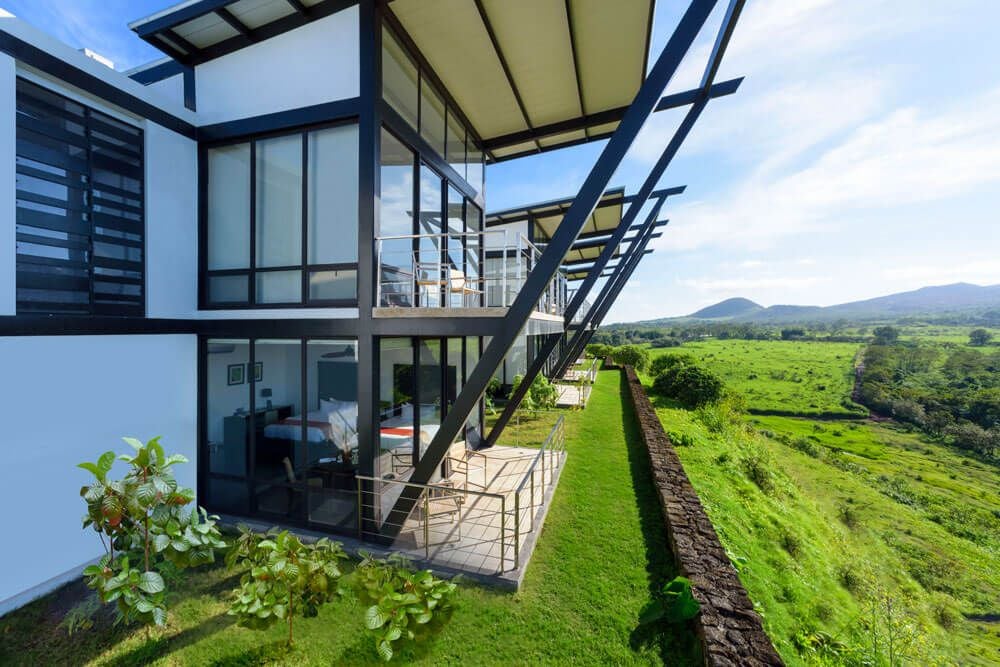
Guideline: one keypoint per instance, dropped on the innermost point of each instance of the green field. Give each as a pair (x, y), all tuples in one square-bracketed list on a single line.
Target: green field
[(782, 376), (829, 522), (602, 552)]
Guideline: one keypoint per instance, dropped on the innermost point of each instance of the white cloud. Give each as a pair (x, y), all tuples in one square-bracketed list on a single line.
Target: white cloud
[(925, 272)]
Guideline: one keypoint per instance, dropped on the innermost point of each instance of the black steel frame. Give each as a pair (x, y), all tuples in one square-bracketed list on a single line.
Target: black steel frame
[(646, 100)]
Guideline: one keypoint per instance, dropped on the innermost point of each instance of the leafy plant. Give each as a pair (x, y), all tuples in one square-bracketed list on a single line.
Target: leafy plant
[(144, 526), (675, 604), (542, 395), (690, 385), (401, 604), (631, 355), (284, 577)]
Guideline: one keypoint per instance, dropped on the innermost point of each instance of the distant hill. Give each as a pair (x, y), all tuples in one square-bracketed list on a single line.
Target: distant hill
[(735, 307), (954, 298)]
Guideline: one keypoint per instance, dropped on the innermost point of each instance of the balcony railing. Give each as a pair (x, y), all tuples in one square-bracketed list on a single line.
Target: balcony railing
[(481, 530), (582, 311), (448, 271)]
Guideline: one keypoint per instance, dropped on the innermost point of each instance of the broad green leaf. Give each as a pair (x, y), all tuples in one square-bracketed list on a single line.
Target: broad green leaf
[(375, 618), (385, 650), (151, 582), (134, 443), (160, 616), (106, 461), (93, 468)]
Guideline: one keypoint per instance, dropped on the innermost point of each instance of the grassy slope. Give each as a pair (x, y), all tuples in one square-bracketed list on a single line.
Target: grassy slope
[(799, 377), (601, 553), (924, 528)]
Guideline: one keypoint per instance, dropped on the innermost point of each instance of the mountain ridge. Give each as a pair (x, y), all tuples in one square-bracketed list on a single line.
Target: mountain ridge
[(924, 300)]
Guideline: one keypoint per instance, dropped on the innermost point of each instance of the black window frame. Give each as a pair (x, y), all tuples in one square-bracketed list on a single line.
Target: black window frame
[(251, 480), (412, 135), (35, 141), (423, 157), (252, 270)]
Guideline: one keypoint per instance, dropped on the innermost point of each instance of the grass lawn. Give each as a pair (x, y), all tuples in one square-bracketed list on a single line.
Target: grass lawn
[(601, 554), (789, 376)]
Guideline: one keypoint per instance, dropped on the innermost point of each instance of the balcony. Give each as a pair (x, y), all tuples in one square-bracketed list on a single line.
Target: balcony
[(460, 274)]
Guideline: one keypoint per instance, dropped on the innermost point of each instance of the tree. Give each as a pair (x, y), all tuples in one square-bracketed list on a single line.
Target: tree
[(980, 337), (144, 521), (886, 335), (599, 350), (690, 385), (631, 355)]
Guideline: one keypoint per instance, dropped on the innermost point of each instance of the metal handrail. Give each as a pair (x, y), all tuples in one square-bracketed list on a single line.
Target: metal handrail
[(553, 301)]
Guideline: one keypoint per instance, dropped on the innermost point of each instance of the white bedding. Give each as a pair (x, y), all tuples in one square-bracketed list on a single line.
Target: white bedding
[(318, 429)]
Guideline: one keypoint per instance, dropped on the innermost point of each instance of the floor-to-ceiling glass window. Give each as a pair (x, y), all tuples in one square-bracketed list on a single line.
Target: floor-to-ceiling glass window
[(459, 288), (332, 213), (431, 269), (227, 436), (396, 220), (474, 244), (281, 466), (397, 399), (332, 403), (281, 430), (430, 390), (474, 425)]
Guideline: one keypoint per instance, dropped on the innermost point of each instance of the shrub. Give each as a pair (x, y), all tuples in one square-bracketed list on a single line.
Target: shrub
[(691, 386), (757, 464), (631, 355), (401, 604), (541, 395), (665, 361), (148, 529), (284, 577)]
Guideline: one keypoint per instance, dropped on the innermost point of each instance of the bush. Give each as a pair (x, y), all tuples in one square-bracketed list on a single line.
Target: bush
[(691, 386), (631, 355), (542, 395), (757, 464), (665, 361)]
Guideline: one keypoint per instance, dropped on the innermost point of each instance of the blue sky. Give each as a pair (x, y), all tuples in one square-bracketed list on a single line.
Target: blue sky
[(860, 157)]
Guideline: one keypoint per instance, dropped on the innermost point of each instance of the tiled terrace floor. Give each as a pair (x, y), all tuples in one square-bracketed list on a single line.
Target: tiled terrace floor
[(474, 527)]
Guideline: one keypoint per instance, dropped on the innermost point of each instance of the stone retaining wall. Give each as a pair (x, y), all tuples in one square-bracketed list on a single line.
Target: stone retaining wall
[(730, 630)]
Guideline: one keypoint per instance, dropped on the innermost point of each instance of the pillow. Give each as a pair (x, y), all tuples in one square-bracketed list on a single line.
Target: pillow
[(331, 405)]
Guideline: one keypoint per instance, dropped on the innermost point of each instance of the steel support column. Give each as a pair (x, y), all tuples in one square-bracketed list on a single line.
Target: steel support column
[(545, 269)]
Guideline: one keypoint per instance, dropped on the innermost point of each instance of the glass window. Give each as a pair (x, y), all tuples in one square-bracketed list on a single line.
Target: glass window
[(430, 270), (229, 207), (333, 455), (474, 169), (279, 201), (333, 195), (227, 395), (459, 288), (279, 287), (333, 285), (399, 78), (473, 427), (432, 120), (430, 393), (454, 370), (456, 144), (328, 219), (397, 393), (396, 219), (473, 243)]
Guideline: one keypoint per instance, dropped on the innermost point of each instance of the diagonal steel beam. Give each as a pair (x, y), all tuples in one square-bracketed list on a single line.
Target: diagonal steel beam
[(545, 269)]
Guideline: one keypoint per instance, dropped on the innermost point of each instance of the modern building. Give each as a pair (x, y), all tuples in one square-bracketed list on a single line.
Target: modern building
[(270, 248)]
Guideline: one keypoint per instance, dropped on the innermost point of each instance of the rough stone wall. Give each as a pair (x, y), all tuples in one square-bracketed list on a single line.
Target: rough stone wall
[(731, 631)]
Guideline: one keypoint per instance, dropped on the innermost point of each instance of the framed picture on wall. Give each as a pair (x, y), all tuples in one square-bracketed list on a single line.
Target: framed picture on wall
[(235, 374), (258, 371)]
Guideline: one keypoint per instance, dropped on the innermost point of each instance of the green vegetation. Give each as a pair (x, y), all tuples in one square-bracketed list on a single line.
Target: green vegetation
[(949, 391), (851, 536), (600, 560), (145, 529), (541, 395), (783, 377), (631, 355)]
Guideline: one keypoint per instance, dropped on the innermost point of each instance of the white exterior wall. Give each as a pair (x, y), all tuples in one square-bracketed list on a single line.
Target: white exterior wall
[(316, 63), (8, 143), (172, 88), (68, 399), (171, 164)]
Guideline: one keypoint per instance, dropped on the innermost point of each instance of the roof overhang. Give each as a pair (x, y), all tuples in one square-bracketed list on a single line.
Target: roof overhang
[(532, 76), (194, 31)]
